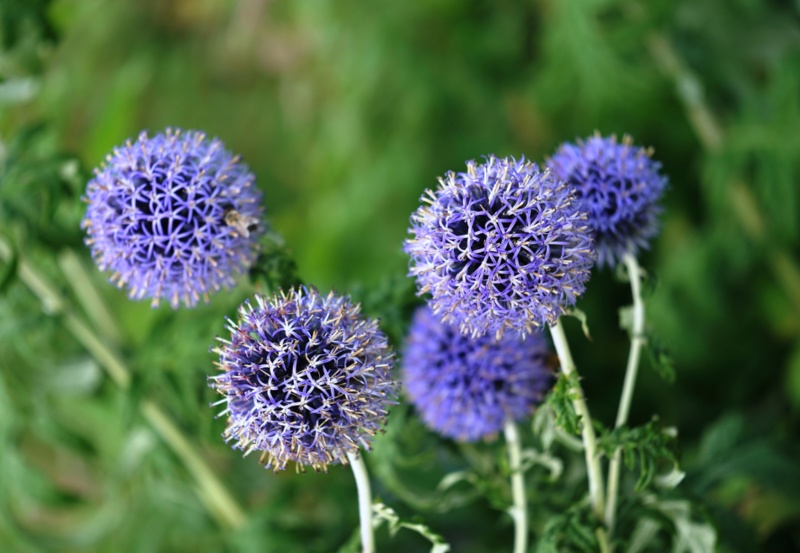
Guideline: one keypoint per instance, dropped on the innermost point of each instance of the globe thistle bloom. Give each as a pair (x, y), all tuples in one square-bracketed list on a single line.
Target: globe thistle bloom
[(305, 379), (502, 246), (173, 216), (466, 388), (620, 185)]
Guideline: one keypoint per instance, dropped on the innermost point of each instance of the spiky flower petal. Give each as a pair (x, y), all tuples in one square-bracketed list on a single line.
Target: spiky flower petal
[(466, 388), (503, 246), (305, 379), (620, 185), (174, 216)]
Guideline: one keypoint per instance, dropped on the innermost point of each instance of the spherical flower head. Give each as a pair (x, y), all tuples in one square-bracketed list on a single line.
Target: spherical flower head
[(174, 216), (305, 379), (620, 185), (466, 388), (502, 246)]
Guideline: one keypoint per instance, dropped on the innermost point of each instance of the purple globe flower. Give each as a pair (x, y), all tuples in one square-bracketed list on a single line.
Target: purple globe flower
[(305, 379), (620, 185), (173, 216), (502, 246), (466, 388)]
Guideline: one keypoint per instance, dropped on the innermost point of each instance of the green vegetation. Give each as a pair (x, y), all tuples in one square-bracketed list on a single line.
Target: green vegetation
[(346, 111)]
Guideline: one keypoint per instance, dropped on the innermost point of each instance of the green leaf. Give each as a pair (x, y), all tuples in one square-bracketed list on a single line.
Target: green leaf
[(560, 401), (689, 536), (573, 531), (9, 272), (581, 316), (648, 448), (382, 513), (660, 357)]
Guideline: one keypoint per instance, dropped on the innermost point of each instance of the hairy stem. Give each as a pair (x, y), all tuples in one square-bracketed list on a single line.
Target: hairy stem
[(213, 493), (637, 341), (519, 511), (593, 468), (364, 501)]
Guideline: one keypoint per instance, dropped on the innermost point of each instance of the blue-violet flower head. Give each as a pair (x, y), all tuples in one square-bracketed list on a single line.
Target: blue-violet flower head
[(174, 216), (503, 246), (466, 388), (305, 379), (620, 185)]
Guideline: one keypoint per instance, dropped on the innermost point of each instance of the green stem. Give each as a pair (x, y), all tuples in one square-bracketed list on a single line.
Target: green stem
[(88, 297), (519, 512), (593, 468), (217, 499), (364, 501), (637, 341)]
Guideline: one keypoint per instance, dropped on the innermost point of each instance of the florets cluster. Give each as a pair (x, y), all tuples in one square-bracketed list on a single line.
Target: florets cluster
[(503, 246), (466, 388), (173, 216), (620, 185), (305, 379)]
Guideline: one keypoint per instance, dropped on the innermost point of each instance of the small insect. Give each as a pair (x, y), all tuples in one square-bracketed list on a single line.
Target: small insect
[(243, 224)]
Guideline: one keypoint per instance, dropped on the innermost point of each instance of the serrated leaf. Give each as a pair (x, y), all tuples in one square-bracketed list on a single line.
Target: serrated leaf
[(573, 530), (560, 401), (659, 357), (382, 513), (581, 316), (531, 457), (646, 448)]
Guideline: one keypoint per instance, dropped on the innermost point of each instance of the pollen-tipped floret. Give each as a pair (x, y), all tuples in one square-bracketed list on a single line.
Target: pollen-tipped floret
[(174, 216), (620, 185), (466, 388), (305, 379), (503, 246)]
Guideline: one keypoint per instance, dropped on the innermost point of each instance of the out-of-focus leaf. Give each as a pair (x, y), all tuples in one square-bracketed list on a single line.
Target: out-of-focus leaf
[(647, 448)]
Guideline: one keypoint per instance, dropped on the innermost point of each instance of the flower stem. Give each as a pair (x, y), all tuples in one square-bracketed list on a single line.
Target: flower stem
[(212, 492), (593, 468), (519, 511), (637, 341), (364, 501)]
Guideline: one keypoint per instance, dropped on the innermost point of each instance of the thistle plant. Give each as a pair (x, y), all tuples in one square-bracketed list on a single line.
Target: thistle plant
[(104, 438), (506, 246), (620, 185), (306, 379), (174, 216), (467, 388), (501, 247), (472, 388)]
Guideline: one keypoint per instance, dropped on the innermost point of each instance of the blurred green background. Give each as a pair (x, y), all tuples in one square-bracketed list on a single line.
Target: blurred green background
[(346, 111)]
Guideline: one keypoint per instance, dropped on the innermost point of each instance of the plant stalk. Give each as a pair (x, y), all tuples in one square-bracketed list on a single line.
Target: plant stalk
[(593, 468), (364, 501), (519, 511), (213, 493), (637, 341)]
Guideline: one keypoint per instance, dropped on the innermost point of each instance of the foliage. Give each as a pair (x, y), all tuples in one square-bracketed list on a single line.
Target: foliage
[(346, 111)]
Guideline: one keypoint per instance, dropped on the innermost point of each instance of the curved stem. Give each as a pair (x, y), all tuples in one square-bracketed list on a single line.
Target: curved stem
[(364, 501), (593, 468), (519, 511), (637, 341)]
